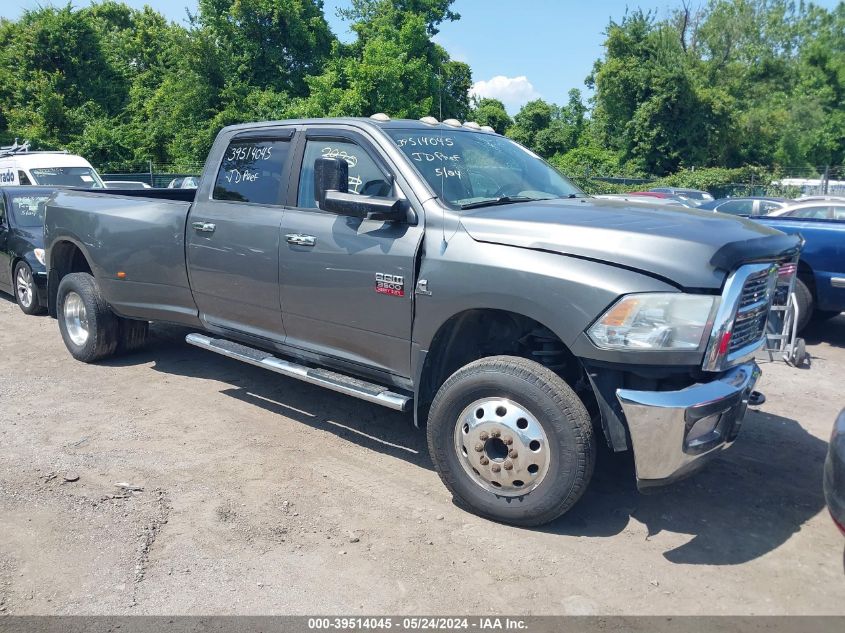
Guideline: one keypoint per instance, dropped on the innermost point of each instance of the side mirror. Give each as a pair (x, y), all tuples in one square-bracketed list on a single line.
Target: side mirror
[(331, 190)]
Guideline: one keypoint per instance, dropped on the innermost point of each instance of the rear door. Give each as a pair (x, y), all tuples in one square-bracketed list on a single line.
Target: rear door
[(347, 284), (233, 234)]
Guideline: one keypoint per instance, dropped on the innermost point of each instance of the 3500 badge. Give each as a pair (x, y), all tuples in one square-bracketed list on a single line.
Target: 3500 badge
[(393, 285)]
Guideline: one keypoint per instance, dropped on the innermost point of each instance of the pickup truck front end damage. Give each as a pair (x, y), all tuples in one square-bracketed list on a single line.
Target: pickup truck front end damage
[(674, 430)]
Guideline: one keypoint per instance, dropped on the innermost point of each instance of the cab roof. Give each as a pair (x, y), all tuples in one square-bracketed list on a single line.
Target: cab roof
[(389, 124), (36, 160)]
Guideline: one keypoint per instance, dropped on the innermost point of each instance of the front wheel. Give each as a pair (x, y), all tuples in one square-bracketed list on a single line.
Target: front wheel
[(806, 305), (511, 441), (26, 293)]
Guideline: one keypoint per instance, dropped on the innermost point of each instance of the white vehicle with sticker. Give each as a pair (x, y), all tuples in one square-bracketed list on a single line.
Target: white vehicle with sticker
[(19, 166)]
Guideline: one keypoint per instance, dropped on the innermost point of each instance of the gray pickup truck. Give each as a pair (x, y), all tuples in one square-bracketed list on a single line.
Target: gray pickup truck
[(443, 269)]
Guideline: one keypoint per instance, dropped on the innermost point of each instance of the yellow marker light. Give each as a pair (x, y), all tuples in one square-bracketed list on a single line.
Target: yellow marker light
[(121, 275), (619, 314)]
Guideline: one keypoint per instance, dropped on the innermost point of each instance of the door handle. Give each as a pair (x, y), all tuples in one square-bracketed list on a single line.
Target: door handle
[(301, 240), (204, 227)]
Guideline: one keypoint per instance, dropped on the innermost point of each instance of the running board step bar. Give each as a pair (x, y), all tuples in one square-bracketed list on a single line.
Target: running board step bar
[(341, 383)]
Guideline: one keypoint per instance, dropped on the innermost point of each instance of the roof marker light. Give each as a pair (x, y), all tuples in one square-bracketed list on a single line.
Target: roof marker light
[(472, 125), (430, 120), (380, 116), (487, 128), (452, 122)]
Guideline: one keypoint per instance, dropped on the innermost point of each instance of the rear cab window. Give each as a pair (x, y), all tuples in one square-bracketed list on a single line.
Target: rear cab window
[(252, 170)]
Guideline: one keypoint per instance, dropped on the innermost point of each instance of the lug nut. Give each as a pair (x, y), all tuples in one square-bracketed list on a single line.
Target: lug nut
[(479, 447), (484, 436), (508, 465), (507, 439), (496, 468), (495, 433), (513, 454), (484, 461)]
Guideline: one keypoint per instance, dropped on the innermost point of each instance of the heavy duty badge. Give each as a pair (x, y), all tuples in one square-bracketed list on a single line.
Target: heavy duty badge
[(393, 285)]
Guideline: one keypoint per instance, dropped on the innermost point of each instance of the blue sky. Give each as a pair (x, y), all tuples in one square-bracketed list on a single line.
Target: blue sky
[(518, 49)]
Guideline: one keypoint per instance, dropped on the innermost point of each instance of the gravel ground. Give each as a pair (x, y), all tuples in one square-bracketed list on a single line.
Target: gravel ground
[(248, 493)]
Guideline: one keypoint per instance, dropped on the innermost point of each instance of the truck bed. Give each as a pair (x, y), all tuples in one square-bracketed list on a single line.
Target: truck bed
[(141, 236)]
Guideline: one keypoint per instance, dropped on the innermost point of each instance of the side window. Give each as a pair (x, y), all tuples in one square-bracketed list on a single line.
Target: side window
[(838, 213), (814, 213), (251, 171), (365, 177), (23, 178), (737, 207), (2, 210), (767, 206)]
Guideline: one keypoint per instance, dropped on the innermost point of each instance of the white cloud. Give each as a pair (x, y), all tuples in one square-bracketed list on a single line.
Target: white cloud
[(514, 92)]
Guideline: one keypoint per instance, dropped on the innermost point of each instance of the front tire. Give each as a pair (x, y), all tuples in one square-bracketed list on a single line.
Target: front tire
[(511, 441), (26, 294), (806, 305), (89, 328)]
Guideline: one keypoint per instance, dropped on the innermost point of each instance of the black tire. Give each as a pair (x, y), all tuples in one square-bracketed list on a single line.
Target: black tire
[(133, 335), (34, 306), (102, 324), (804, 299), (552, 403)]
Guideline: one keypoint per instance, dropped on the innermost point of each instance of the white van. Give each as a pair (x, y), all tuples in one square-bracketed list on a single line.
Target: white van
[(47, 169)]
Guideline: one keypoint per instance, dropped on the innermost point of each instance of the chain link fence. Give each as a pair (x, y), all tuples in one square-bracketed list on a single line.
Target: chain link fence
[(157, 175)]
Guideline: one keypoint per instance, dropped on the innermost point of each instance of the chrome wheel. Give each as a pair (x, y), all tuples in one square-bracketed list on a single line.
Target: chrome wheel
[(502, 447), (76, 319), (25, 286)]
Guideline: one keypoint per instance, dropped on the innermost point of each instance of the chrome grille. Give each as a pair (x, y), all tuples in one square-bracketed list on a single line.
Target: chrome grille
[(753, 311)]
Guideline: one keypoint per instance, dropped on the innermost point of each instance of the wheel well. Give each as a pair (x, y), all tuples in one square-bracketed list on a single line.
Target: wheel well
[(476, 334), (806, 274), (65, 258)]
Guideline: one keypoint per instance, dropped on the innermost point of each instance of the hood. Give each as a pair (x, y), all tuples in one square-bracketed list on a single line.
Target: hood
[(34, 235), (692, 249)]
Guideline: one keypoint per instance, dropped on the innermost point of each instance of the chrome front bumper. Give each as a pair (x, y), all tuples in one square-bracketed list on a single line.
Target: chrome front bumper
[(673, 431)]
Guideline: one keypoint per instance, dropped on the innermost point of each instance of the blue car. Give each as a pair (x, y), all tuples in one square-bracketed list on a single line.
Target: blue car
[(820, 288), (22, 270)]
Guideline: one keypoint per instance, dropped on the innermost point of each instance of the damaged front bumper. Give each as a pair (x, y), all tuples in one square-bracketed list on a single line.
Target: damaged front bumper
[(672, 432)]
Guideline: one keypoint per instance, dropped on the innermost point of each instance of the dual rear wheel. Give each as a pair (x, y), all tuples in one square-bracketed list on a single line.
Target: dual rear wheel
[(89, 328)]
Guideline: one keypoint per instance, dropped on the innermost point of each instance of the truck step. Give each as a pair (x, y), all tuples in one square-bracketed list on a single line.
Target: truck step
[(341, 383)]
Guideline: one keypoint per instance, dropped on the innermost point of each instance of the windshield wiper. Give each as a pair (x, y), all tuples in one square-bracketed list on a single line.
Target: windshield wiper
[(495, 201)]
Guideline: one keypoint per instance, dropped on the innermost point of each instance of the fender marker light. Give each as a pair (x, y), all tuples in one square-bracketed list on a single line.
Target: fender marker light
[(121, 275)]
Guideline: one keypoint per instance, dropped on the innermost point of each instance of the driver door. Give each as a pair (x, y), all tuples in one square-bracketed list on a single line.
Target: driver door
[(333, 268)]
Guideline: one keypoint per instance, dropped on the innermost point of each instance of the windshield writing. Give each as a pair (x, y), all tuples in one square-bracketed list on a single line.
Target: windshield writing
[(468, 168)]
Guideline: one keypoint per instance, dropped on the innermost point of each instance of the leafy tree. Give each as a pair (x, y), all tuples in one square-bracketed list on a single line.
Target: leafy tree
[(491, 112)]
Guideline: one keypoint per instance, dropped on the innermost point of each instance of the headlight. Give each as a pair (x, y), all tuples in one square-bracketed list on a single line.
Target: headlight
[(39, 255), (655, 321)]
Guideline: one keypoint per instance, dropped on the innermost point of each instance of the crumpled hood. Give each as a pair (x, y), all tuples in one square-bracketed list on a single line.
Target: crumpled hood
[(676, 244)]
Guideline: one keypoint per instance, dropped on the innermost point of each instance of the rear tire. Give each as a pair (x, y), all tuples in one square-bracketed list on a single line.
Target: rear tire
[(89, 328), (804, 299), (504, 424), (26, 294)]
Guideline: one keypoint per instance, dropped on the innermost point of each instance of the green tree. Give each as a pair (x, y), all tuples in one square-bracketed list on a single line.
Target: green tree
[(487, 111)]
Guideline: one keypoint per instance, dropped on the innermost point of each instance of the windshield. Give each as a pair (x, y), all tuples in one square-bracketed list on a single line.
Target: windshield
[(470, 169), (84, 177), (29, 210)]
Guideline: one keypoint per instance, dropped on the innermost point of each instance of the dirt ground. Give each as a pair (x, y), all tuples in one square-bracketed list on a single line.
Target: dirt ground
[(263, 495)]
